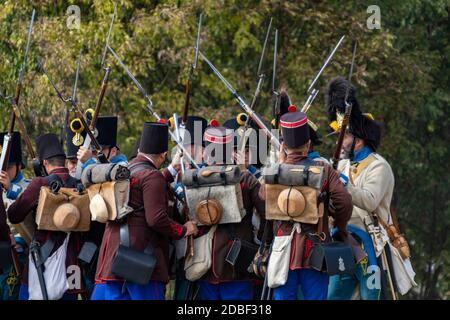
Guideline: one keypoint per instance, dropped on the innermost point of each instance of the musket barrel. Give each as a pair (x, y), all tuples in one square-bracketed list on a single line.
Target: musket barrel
[(326, 63)]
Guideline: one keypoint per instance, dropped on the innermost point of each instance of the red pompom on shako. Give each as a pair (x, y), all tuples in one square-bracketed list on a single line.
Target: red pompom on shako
[(162, 120), (214, 123), (292, 108), (295, 129)]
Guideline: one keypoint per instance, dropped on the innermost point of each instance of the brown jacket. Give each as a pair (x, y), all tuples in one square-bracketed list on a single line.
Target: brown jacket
[(342, 202), (27, 203), (220, 269), (148, 188)]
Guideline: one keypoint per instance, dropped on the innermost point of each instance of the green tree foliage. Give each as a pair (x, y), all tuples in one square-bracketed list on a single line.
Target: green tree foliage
[(401, 72)]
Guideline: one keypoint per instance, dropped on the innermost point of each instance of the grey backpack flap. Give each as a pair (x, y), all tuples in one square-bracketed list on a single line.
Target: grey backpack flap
[(130, 264), (294, 175), (212, 176), (214, 195)]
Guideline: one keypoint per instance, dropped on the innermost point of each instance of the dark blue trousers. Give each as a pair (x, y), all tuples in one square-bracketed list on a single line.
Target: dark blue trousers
[(313, 284), (229, 290), (113, 290)]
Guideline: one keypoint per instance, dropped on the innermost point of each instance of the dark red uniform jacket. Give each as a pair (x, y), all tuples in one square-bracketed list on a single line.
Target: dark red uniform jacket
[(27, 204), (220, 269), (148, 188)]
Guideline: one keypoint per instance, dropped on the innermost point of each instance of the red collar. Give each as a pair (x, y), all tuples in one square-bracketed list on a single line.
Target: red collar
[(59, 170)]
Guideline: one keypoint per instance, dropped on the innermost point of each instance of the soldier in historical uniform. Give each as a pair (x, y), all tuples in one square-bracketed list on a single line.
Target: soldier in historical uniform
[(107, 138), (149, 225), (294, 150), (193, 142), (370, 181), (13, 184), (13, 181), (224, 281), (52, 157)]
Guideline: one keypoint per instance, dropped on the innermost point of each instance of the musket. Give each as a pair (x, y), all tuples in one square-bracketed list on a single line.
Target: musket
[(150, 107), (15, 114), (178, 137), (76, 109), (191, 72), (313, 92), (91, 128), (93, 123), (276, 97), (39, 264), (105, 50), (346, 118), (272, 138), (261, 76)]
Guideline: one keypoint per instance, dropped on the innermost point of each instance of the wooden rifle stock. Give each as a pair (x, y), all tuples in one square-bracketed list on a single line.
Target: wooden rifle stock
[(100, 98), (345, 121)]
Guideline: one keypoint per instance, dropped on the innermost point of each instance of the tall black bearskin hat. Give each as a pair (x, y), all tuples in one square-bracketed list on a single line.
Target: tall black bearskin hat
[(361, 125)]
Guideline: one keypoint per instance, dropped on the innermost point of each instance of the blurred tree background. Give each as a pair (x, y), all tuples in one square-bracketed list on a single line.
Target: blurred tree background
[(401, 73)]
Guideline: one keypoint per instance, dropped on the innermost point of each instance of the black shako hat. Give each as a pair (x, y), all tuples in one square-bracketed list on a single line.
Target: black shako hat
[(72, 149), (154, 138), (286, 106), (219, 140), (15, 156), (48, 146), (295, 129), (196, 127), (107, 131), (361, 125)]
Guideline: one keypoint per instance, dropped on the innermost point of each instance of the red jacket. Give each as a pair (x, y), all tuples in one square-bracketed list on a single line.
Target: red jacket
[(27, 203), (148, 188)]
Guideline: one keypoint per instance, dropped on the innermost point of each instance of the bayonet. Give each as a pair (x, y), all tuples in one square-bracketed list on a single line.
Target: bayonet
[(191, 72), (312, 92), (276, 98), (15, 114), (105, 50), (274, 140), (261, 76), (150, 108)]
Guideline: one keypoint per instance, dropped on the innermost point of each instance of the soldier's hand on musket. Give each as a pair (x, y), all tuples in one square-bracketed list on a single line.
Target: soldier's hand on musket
[(239, 158), (191, 228), (4, 180), (84, 154), (176, 161), (282, 153)]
